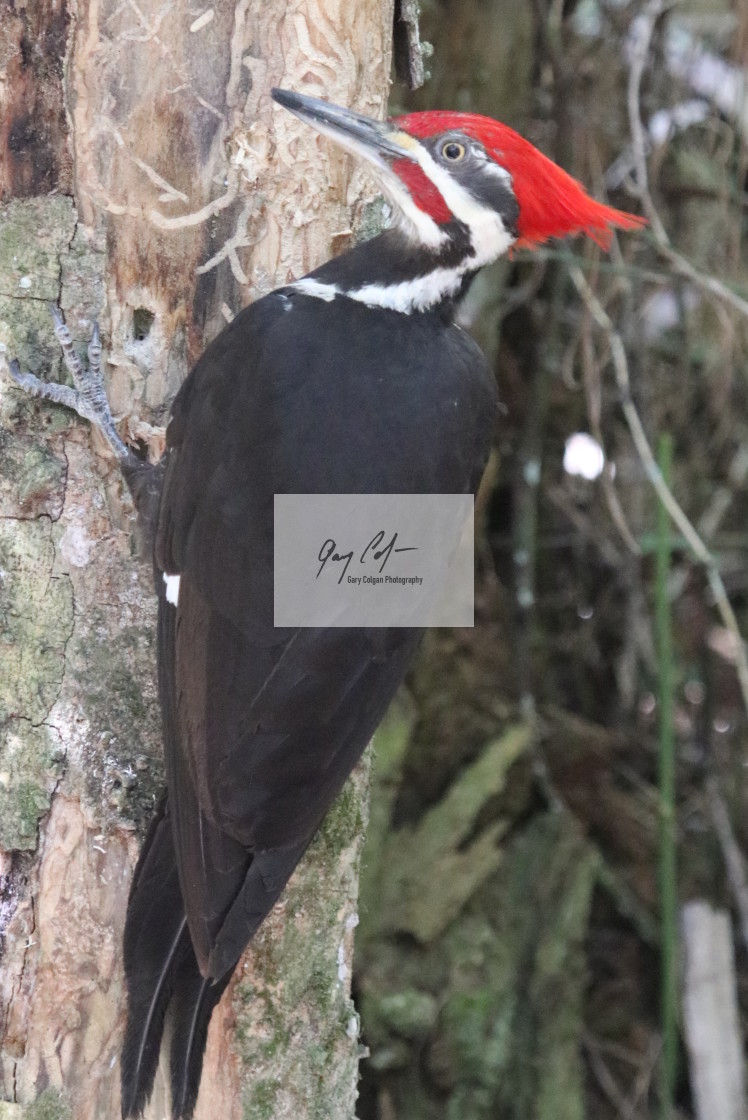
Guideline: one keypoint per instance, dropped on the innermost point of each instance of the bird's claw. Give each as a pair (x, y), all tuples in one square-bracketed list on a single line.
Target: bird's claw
[(88, 398)]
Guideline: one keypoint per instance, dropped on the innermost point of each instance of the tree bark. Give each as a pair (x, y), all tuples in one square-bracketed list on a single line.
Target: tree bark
[(149, 183)]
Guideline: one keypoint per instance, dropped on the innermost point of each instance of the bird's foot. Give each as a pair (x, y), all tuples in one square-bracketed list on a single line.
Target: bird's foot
[(88, 398)]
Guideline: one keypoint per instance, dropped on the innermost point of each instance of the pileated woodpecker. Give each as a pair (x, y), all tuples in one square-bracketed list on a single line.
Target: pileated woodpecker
[(297, 395)]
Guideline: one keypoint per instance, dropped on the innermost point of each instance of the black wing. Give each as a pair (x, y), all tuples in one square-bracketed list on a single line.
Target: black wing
[(261, 725)]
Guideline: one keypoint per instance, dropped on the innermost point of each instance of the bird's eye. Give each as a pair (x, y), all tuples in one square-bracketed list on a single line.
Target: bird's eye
[(453, 151)]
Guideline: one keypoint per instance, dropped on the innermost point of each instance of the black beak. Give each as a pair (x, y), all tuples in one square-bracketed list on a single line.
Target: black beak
[(372, 139)]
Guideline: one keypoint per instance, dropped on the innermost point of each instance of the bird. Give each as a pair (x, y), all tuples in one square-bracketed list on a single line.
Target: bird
[(354, 379)]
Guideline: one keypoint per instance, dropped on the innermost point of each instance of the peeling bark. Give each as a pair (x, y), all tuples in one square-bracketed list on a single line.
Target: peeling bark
[(180, 195), (34, 157)]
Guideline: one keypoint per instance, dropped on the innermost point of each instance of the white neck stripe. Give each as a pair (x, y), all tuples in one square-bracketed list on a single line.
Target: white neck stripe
[(310, 287), (417, 294), (412, 295)]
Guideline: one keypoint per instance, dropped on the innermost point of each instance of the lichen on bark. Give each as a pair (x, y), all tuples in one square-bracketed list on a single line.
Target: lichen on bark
[(36, 621), (289, 1001), (34, 235)]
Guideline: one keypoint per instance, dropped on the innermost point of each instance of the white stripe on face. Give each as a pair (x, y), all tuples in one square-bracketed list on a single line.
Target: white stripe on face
[(488, 235)]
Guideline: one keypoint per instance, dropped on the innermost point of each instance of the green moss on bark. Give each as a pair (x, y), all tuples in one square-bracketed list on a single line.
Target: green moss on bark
[(296, 1026), (122, 768), (34, 235), (36, 621), (49, 1105)]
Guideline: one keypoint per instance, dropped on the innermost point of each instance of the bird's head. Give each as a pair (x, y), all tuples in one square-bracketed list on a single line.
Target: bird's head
[(460, 175)]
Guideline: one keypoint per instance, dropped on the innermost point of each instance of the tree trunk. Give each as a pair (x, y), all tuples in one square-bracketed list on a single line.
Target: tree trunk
[(150, 184)]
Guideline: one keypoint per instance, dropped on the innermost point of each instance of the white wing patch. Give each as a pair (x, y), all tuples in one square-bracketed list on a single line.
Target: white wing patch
[(172, 589)]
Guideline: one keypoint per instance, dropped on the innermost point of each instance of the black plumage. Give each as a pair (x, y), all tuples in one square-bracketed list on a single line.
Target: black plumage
[(263, 725)]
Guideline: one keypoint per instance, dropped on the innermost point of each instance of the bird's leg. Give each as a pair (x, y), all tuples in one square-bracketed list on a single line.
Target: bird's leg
[(89, 400)]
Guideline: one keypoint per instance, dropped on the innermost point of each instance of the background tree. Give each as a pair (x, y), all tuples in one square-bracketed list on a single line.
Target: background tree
[(521, 921), (148, 183)]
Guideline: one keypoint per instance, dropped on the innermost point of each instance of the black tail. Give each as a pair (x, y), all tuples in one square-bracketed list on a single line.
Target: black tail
[(163, 979), (190, 1012)]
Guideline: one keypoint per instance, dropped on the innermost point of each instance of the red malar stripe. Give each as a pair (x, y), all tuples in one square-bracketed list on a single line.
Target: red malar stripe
[(420, 188)]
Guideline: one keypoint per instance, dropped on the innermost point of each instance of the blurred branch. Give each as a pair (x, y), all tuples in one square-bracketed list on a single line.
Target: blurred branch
[(642, 30), (723, 496), (585, 526), (734, 861), (641, 443), (628, 270), (642, 39), (593, 394), (668, 868), (526, 498), (627, 1108), (711, 1017), (607, 1081), (709, 283), (408, 50)]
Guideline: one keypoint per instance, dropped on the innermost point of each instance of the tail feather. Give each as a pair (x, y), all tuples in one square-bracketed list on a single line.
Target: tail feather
[(148, 1002), (164, 984), (167, 993), (189, 1015), (156, 944)]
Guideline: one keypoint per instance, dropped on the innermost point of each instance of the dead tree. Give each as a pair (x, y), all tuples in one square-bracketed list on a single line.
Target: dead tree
[(148, 183)]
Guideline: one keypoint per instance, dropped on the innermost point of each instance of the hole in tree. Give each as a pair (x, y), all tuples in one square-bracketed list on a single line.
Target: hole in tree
[(142, 321)]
